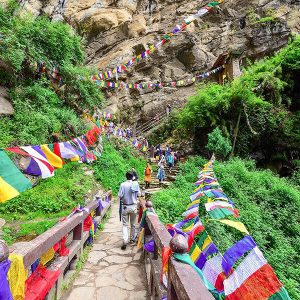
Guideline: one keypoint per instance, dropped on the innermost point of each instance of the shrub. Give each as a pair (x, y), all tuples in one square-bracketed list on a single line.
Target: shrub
[(269, 206), (218, 144), (115, 161)]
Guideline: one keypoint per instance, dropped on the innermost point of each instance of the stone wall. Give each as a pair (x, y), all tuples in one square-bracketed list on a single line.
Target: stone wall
[(116, 30)]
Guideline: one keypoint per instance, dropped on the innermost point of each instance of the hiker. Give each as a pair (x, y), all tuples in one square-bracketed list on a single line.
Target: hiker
[(161, 175), (168, 151), (135, 175), (147, 172), (170, 161), (168, 109), (128, 193), (178, 156), (158, 151), (162, 159)]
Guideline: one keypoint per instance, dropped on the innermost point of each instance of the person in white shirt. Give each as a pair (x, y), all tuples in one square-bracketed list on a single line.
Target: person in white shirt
[(128, 193)]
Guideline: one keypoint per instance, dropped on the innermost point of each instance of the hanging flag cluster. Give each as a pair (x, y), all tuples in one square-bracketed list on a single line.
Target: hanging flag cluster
[(154, 47), (242, 272), (42, 160), (17, 282), (152, 85)]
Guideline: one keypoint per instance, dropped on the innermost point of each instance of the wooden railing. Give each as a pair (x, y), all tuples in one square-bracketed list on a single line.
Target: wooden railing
[(71, 227), (183, 281)]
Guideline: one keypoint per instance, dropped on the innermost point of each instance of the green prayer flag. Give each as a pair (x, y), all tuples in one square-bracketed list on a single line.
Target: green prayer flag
[(212, 4), (12, 175), (186, 259), (220, 213)]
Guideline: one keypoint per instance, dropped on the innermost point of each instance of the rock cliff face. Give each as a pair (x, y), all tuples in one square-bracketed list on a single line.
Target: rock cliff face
[(118, 30)]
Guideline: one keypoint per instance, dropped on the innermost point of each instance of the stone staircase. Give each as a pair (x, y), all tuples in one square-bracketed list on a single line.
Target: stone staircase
[(154, 185)]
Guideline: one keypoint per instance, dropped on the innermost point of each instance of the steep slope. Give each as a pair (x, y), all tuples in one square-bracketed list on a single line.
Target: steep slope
[(117, 30)]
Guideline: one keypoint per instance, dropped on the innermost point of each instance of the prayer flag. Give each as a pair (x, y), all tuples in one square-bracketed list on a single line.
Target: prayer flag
[(235, 224), (254, 278), (213, 271), (39, 164), (236, 251), (12, 181), (53, 159)]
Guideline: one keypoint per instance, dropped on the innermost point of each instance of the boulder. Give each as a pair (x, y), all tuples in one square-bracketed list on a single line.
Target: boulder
[(5, 106), (137, 27), (32, 6), (98, 20), (75, 6)]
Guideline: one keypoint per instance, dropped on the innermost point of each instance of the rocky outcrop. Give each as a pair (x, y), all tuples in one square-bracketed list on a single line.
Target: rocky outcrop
[(5, 106), (117, 30)]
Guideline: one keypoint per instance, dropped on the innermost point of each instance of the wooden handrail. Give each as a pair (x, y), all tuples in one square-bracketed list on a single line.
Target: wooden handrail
[(183, 283), (35, 248)]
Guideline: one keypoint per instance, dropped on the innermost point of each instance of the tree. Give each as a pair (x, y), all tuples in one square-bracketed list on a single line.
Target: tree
[(218, 143)]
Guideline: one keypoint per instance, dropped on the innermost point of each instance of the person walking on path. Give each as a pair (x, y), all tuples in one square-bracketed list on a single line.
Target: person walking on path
[(162, 160), (135, 175), (128, 194), (161, 175), (147, 172), (170, 161)]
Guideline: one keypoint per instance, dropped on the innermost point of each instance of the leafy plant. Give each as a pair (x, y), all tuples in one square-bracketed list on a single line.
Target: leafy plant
[(115, 161), (218, 144)]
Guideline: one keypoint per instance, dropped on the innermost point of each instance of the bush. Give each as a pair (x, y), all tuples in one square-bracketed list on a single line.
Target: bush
[(269, 206), (218, 144), (43, 107), (264, 99), (115, 161), (55, 196)]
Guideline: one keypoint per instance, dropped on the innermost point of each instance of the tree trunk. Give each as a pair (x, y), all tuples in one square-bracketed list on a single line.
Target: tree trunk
[(235, 134)]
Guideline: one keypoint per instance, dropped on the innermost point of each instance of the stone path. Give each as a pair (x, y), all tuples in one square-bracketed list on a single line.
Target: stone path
[(111, 273)]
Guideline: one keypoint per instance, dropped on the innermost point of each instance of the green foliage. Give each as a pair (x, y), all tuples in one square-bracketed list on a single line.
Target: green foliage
[(170, 203), (269, 206), (42, 107), (52, 197), (29, 40), (39, 112), (267, 98), (266, 20), (218, 144), (35, 228), (115, 161)]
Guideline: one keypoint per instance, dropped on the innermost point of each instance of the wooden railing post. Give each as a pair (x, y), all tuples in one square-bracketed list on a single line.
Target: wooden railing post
[(4, 251), (78, 231), (178, 244)]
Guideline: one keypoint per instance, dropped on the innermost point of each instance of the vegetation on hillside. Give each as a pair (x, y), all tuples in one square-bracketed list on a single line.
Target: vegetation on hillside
[(260, 110), (43, 105), (37, 209), (115, 161), (269, 206)]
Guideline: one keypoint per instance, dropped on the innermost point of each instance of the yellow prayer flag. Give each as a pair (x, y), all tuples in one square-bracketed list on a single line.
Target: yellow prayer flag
[(16, 276), (53, 159), (206, 242), (47, 256), (7, 192), (237, 225), (195, 254)]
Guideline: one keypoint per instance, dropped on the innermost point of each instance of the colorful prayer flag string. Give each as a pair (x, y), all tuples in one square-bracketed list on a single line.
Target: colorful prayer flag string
[(152, 85), (154, 47)]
